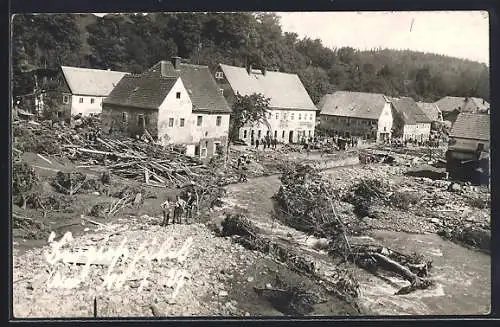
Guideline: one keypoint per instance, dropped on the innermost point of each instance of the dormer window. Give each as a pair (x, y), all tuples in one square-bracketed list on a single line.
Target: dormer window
[(178, 95)]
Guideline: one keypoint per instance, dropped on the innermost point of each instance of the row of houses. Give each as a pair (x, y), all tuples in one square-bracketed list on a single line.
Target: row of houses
[(185, 104), (374, 116), (179, 103)]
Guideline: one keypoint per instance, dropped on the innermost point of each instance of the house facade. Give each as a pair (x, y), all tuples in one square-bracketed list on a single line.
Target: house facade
[(292, 114), (410, 122), (469, 147), (177, 105), (85, 89), (359, 114), (432, 112)]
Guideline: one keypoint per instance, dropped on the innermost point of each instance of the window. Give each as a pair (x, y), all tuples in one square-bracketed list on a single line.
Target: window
[(275, 134), (480, 147), (300, 116), (170, 122), (206, 134), (277, 116), (203, 152), (259, 133), (65, 99), (197, 150), (178, 95), (92, 100), (291, 116), (310, 133), (218, 121), (221, 91), (218, 148), (59, 114), (311, 117), (81, 100), (269, 116), (124, 117), (283, 134), (199, 120), (284, 115), (245, 134), (181, 122), (219, 75)]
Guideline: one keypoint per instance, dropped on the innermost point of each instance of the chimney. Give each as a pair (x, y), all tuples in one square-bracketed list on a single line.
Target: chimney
[(176, 61), (163, 68), (249, 69)]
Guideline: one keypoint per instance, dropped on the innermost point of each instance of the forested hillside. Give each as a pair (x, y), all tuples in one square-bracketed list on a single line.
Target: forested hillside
[(134, 42)]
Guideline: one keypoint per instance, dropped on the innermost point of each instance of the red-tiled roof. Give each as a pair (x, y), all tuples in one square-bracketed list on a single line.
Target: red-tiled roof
[(410, 111), (353, 104), (471, 126), (199, 83), (140, 91)]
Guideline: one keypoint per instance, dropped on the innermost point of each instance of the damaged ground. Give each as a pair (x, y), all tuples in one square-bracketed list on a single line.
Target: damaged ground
[(104, 190)]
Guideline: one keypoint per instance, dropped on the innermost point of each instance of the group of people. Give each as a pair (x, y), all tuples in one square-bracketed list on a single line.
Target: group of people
[(182, 207), (267, 142), (431, 142)]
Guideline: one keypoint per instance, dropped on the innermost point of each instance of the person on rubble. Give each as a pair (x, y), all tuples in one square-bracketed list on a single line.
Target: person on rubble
[(167, 212), (180, 207), (190, 204)]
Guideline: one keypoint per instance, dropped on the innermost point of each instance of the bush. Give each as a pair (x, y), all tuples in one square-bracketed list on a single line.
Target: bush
[(404, 199)]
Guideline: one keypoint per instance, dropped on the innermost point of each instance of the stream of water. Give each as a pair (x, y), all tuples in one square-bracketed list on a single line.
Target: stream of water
[(462, 275)]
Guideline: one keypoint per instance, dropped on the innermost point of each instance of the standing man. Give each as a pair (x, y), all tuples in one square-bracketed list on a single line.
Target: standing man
[(167, 211), (190, 203), (180, 206)]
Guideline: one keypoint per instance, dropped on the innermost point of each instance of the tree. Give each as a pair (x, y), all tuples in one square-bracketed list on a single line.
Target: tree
[(247, 109)]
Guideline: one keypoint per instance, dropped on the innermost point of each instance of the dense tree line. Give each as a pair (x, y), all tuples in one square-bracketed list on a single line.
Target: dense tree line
[(134, 42)]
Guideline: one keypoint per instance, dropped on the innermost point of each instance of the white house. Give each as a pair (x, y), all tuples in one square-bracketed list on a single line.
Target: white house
[(292, 114), (86, 88), (410, 120), (178, 104)]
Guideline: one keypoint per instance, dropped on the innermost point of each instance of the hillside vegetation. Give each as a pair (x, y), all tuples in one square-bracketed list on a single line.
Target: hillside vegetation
[(134, 42)]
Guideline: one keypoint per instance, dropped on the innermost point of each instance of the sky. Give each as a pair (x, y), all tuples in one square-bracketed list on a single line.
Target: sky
[(462, 34), (458, 34)]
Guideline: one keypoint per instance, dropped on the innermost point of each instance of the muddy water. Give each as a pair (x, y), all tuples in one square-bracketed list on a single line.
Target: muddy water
[(463, 279), (463, 276)]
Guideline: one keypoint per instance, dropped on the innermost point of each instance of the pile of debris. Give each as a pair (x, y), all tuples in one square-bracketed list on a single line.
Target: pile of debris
[(24, 179), (125, 157), (244, 232), (306, 200)]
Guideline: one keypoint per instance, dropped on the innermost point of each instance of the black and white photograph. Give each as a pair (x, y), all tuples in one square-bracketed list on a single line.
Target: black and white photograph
[(250, 164)]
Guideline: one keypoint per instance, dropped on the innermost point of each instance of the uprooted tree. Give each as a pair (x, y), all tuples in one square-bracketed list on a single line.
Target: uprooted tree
[(306, 202)]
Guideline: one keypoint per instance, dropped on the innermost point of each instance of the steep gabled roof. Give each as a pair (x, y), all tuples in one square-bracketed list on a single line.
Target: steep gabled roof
[(472, 126), (85, 81), (199, 83), (146, 92), (431, 110), (285, 90), (410, 111), (353, 104)]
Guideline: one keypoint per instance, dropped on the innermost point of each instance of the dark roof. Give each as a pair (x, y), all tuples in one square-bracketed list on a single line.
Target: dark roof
[(353, 104), (202, 89), (410, 111), (140, 91), (471, 126)]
